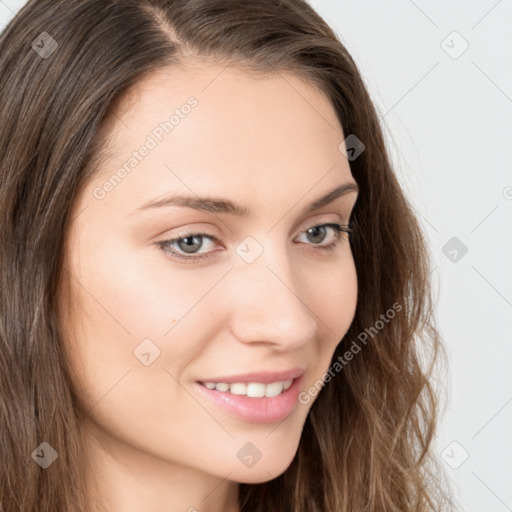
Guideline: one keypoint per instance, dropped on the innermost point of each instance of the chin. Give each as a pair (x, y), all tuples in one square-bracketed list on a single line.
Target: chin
[(262, 471), (259, 477)]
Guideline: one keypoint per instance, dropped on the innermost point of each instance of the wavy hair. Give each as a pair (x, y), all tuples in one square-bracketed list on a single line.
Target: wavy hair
[(366, 443)]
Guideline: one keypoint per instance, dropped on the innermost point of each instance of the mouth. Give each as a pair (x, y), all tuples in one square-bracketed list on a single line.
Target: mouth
[(250, 389), (253, 401)]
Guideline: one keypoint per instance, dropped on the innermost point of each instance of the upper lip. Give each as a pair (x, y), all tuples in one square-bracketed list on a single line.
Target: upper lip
[(265, 377)]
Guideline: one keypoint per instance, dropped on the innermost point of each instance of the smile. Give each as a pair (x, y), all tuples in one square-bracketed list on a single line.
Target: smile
[(250, 389)]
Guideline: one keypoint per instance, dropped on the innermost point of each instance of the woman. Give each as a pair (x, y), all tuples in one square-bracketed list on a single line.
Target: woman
[(214, 291)]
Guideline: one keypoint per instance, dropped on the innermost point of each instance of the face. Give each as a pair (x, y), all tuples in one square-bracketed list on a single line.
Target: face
[(170, 298)]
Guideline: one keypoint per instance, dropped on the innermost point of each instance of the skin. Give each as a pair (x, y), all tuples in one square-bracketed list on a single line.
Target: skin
[(271, 144)]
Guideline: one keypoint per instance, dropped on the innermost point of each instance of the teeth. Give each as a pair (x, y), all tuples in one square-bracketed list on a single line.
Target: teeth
[(238, 388), (252, 389), (274, 389)]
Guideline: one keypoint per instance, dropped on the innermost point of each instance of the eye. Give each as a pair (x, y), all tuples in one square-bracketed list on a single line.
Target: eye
[(319, 231), (187, 243), (186, 246)]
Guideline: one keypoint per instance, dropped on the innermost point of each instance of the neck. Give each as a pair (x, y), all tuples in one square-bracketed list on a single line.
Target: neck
[(122, 478)]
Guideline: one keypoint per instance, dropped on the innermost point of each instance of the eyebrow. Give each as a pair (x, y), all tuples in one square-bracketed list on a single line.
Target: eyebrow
[(211, 204)]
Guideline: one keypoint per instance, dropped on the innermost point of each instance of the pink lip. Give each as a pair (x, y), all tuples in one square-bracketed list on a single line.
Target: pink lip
[(256, 410), (264, 377)]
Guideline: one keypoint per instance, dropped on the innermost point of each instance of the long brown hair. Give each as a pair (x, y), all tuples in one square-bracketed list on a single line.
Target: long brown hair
[(366, 444)]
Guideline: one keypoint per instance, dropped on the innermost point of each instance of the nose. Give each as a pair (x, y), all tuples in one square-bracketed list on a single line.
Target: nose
[(269, 304)]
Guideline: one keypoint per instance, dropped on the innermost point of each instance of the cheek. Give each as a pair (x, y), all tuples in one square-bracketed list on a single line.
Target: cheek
[(126, 308), (137, 312), (335, 294), (137, 293), (127, 303)]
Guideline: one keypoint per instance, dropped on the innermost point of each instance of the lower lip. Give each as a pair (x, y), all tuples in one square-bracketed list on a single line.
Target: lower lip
[(258, 409)]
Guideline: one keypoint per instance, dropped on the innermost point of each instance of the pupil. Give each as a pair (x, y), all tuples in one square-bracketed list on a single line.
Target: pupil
[(190, 247), (316, 230)]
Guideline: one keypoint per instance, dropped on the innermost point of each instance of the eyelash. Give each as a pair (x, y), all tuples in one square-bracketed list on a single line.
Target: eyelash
[(338, 228)]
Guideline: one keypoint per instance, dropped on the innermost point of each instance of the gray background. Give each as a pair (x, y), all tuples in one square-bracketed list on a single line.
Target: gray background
[(447, 116)]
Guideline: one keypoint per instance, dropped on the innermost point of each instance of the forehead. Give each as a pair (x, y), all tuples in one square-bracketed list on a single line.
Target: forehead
[(214, 127), (227, 97)]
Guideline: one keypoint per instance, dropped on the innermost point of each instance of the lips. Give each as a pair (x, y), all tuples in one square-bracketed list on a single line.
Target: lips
[(263, 377), (263, 409)]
